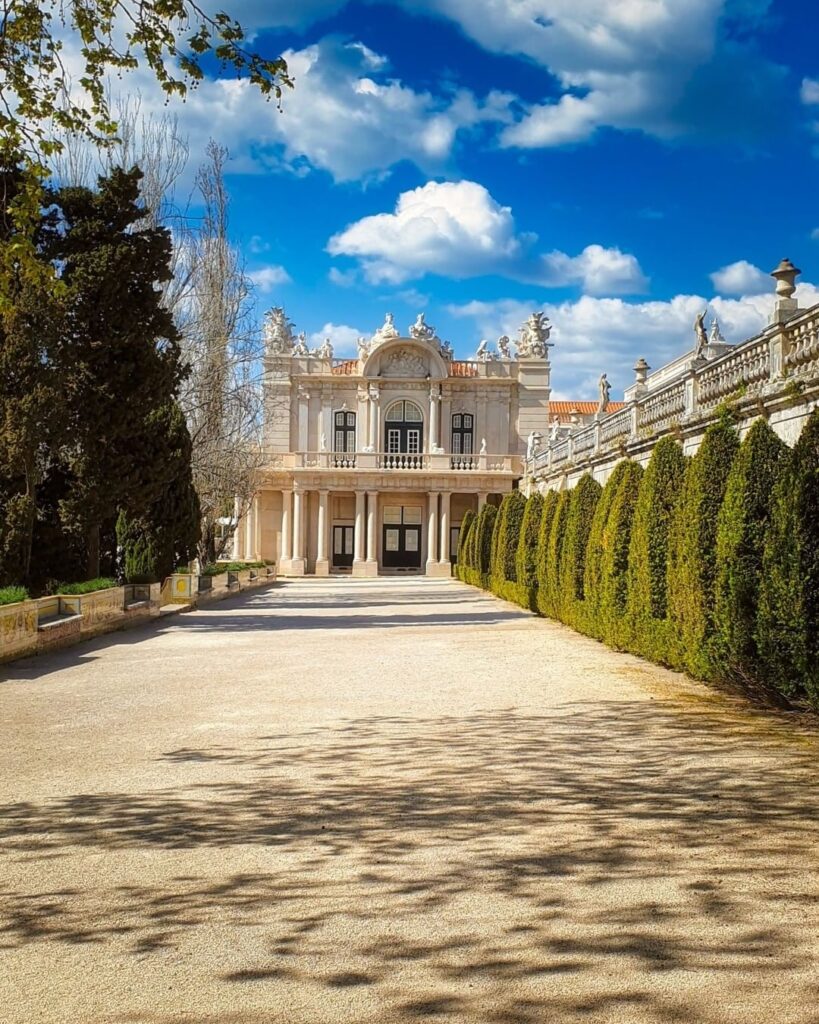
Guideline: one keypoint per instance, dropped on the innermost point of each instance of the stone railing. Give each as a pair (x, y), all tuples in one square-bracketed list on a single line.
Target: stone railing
[(774, 368), (401, 460), (463, 463), (660, 410), (733, 374)]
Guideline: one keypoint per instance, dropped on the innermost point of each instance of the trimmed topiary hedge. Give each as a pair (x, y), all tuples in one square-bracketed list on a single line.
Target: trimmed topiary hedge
[(607, 553), (741, 528), (579, 517), (787, 626), (693, 551), (648, 551), (549, 598), (526, 555), (711, 564), (464, 537), (507, 536)]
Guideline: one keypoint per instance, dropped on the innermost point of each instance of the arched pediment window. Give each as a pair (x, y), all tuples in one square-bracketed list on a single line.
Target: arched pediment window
[(404, 428)]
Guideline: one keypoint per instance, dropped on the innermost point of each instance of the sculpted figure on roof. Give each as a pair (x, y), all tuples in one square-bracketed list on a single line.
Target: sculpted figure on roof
[(278, 332), (386, 331), (422, 331), (533, 342)]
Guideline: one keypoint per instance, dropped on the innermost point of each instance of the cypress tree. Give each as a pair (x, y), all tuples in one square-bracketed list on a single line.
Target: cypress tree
[(648, 551), (599, 539), (788, 622), (741, 528), (118, 359), (613, 580), (507, 533), (549, 600), (464, 534), (484, 541), (693, 549), (550, 500), (526, 555), (579, 517)]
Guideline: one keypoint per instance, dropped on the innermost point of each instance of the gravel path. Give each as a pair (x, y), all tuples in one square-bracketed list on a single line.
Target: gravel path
[(392, 801)]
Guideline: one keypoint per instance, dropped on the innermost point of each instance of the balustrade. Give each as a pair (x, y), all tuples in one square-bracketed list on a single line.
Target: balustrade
[(739, 370), (802, 345), (583, 440), (616, 426), (659, 411)]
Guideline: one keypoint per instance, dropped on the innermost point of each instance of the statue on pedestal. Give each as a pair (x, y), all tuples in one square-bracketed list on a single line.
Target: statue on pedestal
[(278, 332), (326, 350), (300, 347), (387, 331), (503, 346), (483, 350), (363, 348), (701, 335), (533, 342), (605, 390)]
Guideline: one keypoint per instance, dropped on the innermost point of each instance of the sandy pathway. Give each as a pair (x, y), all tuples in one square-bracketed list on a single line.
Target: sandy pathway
[(394, 801)]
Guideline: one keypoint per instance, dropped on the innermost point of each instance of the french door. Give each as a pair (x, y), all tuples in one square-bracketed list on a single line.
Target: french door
[(343, 540), (401, 542)]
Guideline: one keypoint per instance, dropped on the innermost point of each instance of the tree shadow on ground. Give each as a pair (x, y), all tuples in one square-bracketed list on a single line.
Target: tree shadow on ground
[(611, 861)]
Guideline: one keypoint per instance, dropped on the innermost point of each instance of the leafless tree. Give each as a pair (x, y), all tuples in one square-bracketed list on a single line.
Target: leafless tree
[(222, 396)]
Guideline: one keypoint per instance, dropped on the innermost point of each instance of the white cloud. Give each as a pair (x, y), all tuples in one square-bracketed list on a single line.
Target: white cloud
[(593, 335), (258, 245), (741, 278), (342, 336), (342, 278), (265, 279), (809, 93), (458, 230)]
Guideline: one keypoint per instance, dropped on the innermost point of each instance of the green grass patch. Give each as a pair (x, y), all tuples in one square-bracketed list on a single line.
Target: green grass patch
[(87, 586), (11, 595)]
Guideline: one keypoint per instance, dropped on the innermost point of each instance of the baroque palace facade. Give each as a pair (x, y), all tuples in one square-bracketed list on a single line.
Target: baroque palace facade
[(371, 463)]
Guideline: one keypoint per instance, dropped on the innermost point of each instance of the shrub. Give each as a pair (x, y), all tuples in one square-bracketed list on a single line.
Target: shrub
[(582, 504), (613, 583), (464, 534), (787, 634), (11, 595), (137, 556), (741, 528), (548, 596), (600, 539), (526, 555), (648, 551), (484, 537), (547, 515), (86, 586), (693, 551), (507, 536)]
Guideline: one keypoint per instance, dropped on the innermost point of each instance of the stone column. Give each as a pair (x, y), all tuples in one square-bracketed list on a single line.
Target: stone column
[(297, 564), (375, 409), (434, 401), (358, 546), (482, 499), (446, 498), (432, 533), (238, 551), (286, 553), (250, 528), (322, 562), (372, 521), (257, 530), (304, 408)]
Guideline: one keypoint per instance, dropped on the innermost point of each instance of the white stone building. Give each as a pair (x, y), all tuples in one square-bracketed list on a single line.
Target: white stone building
[(371, 463)]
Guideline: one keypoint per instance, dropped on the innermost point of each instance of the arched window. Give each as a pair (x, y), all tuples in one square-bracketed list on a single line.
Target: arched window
[(462, 433), (343, 431), (404, 429)]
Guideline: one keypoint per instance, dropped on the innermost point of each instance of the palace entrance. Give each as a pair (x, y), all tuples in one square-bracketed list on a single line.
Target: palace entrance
[(401, 548), (343, 539)]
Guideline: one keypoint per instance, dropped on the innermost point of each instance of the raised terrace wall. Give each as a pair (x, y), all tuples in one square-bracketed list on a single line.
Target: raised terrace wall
[(774, 374)]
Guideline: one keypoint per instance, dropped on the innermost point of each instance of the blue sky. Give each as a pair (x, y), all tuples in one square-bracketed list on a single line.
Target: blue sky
[(616, 164)]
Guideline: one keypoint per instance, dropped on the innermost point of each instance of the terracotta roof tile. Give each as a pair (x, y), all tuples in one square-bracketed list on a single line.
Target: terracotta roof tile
[(563, 410)]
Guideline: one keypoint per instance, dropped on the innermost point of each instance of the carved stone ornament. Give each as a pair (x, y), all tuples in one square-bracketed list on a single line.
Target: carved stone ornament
[(387, 331), (278, 332), (422, 331), (404, 363), (534, 332)]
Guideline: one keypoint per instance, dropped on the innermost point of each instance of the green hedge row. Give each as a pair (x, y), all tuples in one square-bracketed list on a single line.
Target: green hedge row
[(708, 564)]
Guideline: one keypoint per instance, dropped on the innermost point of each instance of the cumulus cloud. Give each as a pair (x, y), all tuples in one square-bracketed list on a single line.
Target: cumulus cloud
[(265, 279), (342, 337), (809, 92), (458, 230), (593, 335), (741, 278)]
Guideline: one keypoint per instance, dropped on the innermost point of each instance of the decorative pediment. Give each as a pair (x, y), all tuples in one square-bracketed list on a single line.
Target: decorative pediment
[(403, 362)]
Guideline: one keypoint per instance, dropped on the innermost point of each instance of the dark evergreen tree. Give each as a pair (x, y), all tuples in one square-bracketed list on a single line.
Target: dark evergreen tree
[(693, 549), (788, 623), (526, 556), (579, 518), (118, 359), (741, 529), (612, 619), (549, 598)]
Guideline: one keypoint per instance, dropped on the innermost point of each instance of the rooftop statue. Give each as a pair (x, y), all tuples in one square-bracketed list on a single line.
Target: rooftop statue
[(503, 346), (534, 337), (278, 332), (422, 331), (363, 347), (386, 331), (326, 350), (300, 347), (483, 350), (605, 390), (699, 331), (715, 337)]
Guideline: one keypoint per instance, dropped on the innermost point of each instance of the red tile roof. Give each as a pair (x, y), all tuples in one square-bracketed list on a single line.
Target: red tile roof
[(563, 410), (462, 368)]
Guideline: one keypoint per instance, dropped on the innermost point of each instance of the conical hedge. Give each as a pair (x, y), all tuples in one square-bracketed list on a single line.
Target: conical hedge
[(526, 556), (579, 517)]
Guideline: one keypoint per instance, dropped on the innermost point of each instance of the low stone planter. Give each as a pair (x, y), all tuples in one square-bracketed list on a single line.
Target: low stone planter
[(59, 622), (183, 588), (100, 611), (18, 629), (142, 600)]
